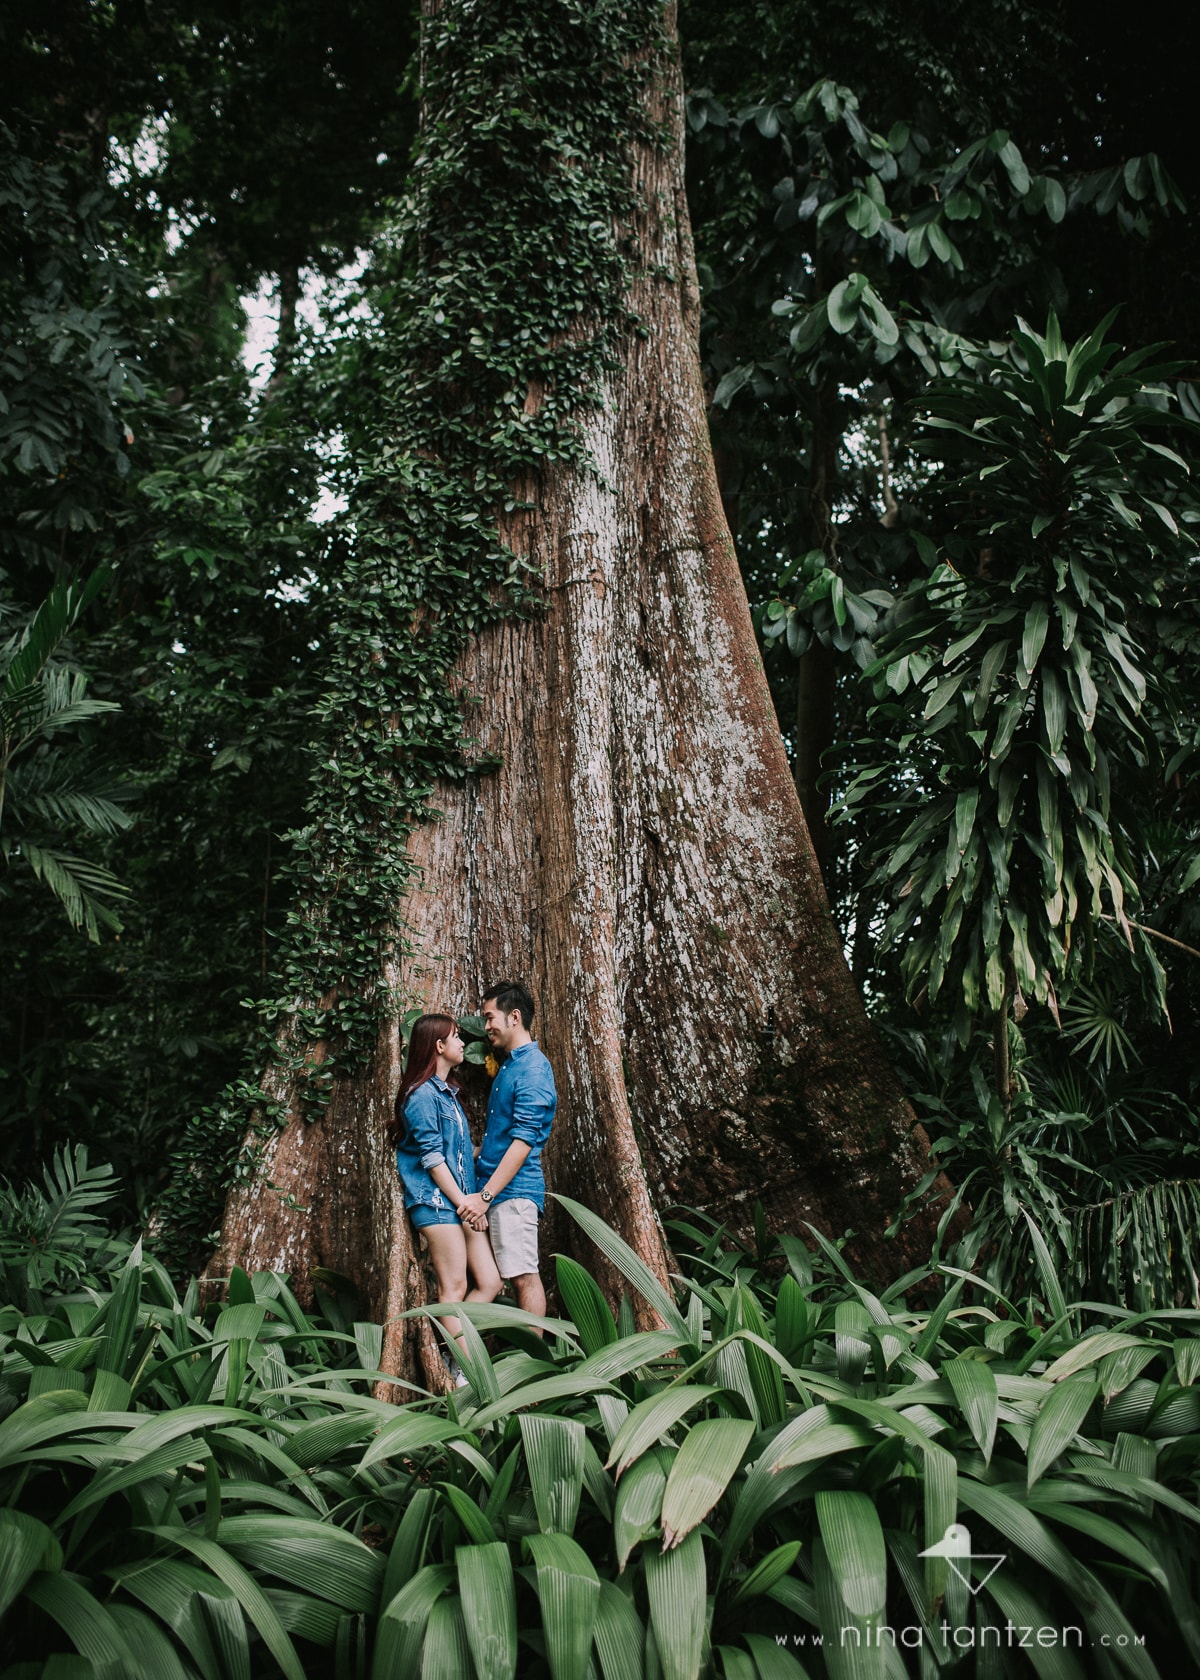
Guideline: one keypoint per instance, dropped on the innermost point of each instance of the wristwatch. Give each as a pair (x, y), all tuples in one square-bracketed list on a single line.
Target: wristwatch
[(485, 1196)]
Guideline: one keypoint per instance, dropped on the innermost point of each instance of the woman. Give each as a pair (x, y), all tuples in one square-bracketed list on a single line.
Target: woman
[(436, 1163)]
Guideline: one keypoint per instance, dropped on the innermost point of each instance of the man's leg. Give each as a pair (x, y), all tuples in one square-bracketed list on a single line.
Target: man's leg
[(527, 1287), (514, 1231)]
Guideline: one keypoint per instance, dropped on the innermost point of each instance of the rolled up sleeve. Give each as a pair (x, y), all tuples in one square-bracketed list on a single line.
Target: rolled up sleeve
[(424, 1125), (534, 1102)]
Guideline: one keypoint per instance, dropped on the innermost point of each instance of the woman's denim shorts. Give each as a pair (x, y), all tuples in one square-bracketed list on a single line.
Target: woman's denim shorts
[(422, 1216)]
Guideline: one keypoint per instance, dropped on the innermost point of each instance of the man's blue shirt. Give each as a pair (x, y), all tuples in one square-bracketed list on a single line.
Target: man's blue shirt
[(520, 1107)]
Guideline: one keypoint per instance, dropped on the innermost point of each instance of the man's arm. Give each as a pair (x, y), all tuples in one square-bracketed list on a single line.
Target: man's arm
[(506, 1169)]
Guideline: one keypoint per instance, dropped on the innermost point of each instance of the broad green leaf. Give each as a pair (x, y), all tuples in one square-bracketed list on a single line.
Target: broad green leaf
[(1057, 1423), (767, 1571), (975, 1390), (154, 1653), (854, 1545), (705, 1464), (619, 1635), (652, 1419), (1090, 1351), (850, 1644), (408, 1433), (400, 1633), (85, 1622), (844, 301), (247, 1591), (1103, 1529), (638, 1507), (446, 1654), (1020, 1609), (629, 1353), (815, 1435), (771, 1661), (25, 1546), (475, 1521), (584, 1300), (676, 1585), (312, 1443), (569, 1591), (489, 1602), (39, 1421), (554, 1454), (320, 1557), (1037, 621), (791, 1318), (850, 1321), (630, 1265), (537, 1393), (736, 1664)]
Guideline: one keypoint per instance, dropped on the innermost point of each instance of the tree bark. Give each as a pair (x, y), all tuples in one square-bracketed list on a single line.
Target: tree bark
[(641, 860)]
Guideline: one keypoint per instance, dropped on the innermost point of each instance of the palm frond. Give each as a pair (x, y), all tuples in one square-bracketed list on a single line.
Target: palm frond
[(80, 887), (26, 656)]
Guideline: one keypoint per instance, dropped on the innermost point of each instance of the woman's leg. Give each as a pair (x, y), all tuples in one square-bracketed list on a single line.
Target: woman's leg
[(448, 1251), (481, 1263)]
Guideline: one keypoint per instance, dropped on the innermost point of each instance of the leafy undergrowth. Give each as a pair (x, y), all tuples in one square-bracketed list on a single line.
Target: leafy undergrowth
[(793, 1476)]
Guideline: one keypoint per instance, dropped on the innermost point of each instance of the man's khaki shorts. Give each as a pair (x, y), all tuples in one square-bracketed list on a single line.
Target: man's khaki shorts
[(513, 1228)]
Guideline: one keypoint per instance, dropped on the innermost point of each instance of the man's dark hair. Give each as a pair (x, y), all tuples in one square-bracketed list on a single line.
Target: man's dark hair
[(510, 995)]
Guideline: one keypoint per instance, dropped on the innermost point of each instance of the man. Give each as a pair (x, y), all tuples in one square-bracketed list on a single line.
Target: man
[(512, 1189)]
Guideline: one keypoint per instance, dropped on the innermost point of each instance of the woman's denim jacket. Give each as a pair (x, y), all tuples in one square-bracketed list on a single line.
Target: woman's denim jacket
[(435, 1130)]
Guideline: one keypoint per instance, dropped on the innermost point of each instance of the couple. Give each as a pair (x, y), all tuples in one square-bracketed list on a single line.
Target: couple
[(478, 1217)]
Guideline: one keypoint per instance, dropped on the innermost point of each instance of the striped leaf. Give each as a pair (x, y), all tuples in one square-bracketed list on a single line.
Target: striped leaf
[(37, 1422), (630, 1265), (676, 1586), (815, 1435), (638, 1507), (851, 1320), (85, 1622), (711, 1453), (247, 1591), (1057, 1424), (771, 1661), (854, 1546), (619, 1635), (554, 1454), (584, 1300), (489, 1604), (569, 1590), (791, 1318), (446, 1655), (975, 1391), (767, 1572), (400, 1633), (652, 1419), (153, 1652), (407, 1433), (326, 1560), (25, 1546)]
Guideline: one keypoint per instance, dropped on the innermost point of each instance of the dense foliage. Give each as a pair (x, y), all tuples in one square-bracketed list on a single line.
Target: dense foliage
[(762, 1487)]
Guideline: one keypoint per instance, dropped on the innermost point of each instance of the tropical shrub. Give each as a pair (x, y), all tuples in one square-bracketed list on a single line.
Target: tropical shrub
[(792, 1476)]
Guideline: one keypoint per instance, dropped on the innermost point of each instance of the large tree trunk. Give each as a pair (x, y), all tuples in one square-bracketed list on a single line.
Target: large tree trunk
[(640, 859)]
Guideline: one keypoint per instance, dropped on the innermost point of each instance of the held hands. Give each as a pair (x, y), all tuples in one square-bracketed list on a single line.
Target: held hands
[(472, 1211)]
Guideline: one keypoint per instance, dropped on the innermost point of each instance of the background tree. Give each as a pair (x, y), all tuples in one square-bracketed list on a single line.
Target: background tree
[(624, 830)]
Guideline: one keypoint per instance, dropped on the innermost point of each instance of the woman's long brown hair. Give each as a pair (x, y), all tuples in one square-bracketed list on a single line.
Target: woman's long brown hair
[(420, 1065)]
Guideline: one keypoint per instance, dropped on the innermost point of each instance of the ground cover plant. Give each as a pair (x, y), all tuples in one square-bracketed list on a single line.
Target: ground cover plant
[(785, 1478)]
